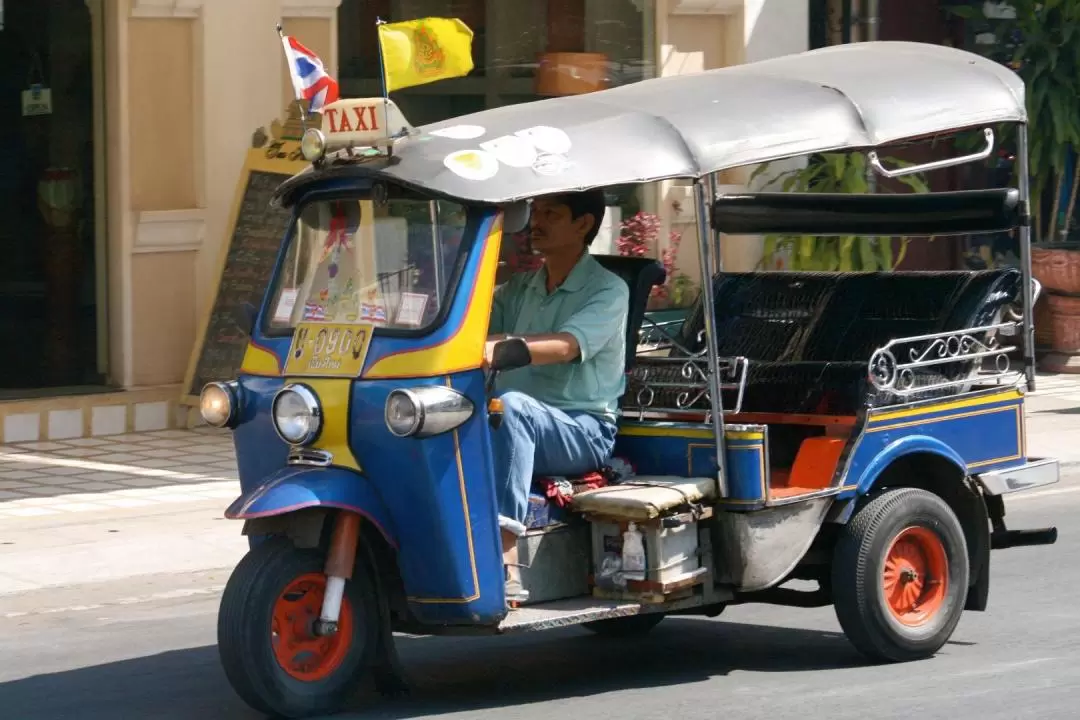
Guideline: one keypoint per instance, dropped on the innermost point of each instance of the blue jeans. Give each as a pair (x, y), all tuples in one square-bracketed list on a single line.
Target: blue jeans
[(536, 439)]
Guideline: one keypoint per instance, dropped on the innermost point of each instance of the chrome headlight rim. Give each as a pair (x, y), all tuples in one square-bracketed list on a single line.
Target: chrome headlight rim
[(438, 409), (313, 144), (311, 404), (418, 407), (231, 390)]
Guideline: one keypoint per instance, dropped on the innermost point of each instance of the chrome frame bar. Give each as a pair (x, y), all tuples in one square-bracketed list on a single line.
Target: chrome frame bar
[(1025, 257), (937, 164), (715, 396)]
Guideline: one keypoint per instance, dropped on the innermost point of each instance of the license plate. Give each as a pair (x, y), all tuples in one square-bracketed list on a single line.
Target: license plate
[(328, 349)]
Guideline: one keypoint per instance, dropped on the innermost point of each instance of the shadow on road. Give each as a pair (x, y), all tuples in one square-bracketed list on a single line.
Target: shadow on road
[(448, 674)]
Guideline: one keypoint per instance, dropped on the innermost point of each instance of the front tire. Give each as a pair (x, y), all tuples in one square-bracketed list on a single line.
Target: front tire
[(270, 654), (900, 575)]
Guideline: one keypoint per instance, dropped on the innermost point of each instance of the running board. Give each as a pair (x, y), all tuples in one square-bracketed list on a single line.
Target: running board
[(575, 611)]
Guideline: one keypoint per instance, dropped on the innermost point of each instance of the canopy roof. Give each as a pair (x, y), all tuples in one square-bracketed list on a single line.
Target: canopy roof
[(845, 97)]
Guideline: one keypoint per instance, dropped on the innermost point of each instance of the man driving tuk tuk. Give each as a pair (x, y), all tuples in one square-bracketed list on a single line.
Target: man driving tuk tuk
[(560, 411)]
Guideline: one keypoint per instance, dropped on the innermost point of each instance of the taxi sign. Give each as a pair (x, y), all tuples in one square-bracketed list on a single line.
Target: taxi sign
[(363, 122), (328, 349)]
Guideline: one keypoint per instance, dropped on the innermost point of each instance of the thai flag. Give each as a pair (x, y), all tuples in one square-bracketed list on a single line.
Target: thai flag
[(309, 77)]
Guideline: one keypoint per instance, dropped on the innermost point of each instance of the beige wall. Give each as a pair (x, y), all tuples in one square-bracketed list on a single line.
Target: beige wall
[(185, 91)]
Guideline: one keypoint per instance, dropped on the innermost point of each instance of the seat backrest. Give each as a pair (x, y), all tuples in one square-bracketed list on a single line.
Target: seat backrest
[(641, 274)]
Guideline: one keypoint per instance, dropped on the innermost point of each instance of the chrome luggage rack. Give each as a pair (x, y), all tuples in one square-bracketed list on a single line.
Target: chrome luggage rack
[(892, 367), (661, 383)]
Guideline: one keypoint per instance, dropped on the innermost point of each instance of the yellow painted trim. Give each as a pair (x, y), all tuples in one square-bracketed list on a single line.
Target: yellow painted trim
[(944, 418), (260, 361), (687, 433), (468, 534), (334, 396), (464, 350), (952, 405)]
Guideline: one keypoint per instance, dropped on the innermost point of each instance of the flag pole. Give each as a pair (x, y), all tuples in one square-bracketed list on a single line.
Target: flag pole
[(382, 63), (288, 62)]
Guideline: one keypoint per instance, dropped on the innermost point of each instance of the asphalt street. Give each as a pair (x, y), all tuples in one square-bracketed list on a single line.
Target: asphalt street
[(145, 649)]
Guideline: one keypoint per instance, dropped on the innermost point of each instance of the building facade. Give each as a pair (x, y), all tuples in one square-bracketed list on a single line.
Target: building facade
[(133, 118)]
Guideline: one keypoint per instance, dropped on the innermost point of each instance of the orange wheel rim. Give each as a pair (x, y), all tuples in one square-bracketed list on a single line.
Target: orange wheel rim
[(916, 576), (300, 652)]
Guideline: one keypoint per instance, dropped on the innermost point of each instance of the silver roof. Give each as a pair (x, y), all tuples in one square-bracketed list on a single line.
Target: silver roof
[(844, 97)]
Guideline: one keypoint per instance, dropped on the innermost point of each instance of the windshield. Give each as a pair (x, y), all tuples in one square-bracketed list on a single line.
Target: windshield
[(354, 260)]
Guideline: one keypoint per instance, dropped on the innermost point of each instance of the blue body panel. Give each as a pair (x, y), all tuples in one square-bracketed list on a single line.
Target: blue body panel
[(976, 434), (685, 450)]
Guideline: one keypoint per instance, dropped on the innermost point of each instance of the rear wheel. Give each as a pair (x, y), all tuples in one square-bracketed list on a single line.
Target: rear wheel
[(629, 626), (900, 574), (266, 639)]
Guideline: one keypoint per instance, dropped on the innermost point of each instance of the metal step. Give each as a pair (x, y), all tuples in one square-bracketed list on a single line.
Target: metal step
[(574, 611)]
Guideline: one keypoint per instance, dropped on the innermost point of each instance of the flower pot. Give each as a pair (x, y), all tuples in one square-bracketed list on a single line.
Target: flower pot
[(567, 73), (1064, 313), (1057, 266)]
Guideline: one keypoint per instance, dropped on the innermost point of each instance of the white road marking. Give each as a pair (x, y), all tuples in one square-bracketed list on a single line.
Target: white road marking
[(132, 600)]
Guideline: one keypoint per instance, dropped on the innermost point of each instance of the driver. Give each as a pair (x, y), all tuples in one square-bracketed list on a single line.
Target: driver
[(559, 413)]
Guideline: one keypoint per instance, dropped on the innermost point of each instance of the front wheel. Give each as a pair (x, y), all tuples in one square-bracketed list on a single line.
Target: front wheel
[(266, 640), (900, 575)]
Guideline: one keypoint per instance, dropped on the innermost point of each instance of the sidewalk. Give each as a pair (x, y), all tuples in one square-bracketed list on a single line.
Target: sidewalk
[(99, 510)]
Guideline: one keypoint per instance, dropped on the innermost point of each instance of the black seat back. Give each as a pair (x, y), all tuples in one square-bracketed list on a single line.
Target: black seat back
[(641, 274)]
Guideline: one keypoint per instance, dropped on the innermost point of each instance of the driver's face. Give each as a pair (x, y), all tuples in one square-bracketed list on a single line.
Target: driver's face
[(553, 230)]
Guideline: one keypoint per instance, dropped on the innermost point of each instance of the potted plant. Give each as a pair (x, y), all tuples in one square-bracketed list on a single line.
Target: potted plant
[(1040, 40), (638, 238), (832, 173)]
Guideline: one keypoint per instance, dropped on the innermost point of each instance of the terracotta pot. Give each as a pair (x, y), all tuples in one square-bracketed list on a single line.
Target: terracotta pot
[(1043, 320), (1064, 322), (564, 73), (1057, 266)]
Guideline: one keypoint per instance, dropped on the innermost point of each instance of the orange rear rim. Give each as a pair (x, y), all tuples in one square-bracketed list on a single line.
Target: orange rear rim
[(300, 652), (916, 577)]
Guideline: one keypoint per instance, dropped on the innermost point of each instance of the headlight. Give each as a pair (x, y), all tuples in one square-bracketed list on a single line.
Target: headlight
[(218, 403), (312, 144), (297, 415), (426, 411)]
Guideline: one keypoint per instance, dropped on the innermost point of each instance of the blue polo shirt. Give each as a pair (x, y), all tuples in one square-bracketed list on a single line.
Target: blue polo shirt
[(592, 305)]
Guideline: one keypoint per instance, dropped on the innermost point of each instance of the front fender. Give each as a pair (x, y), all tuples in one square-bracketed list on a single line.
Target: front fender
[(295, 488), (906, 446)]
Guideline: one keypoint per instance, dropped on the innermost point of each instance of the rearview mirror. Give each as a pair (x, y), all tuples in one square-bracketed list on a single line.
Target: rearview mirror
[(244, 314), (516, 217), (510, 354)]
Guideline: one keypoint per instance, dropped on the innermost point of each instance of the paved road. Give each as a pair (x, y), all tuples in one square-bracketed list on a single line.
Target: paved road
[(146, 650)]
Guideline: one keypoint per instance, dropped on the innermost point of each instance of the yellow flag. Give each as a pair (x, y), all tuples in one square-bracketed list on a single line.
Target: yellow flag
[(416, 52)]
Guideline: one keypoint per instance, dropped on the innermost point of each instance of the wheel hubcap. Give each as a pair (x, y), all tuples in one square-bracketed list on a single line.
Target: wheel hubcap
[(299, 651), (916, 577)]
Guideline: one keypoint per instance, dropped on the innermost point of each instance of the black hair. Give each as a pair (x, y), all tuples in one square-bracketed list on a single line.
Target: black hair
[(587, 202)]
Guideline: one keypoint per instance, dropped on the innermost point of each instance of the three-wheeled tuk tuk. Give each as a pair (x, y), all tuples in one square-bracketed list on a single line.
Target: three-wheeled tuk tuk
[(850, 428)]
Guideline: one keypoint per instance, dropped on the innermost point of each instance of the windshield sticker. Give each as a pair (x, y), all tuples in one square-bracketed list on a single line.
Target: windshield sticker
[(285, 305), (411, 310), (314, 311), (372, 312), (547, 139), (512, 150), (472, 164), (460, 132)]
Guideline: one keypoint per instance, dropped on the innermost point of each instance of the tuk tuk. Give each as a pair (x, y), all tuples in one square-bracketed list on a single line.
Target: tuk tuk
[(855, 429)]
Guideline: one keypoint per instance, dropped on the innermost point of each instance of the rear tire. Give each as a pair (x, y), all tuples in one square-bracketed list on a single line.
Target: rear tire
[(900, 575), (272, 659), (625, 627)]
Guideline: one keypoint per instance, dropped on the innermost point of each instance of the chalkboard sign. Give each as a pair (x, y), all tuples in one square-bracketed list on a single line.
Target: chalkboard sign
[(245, 267)]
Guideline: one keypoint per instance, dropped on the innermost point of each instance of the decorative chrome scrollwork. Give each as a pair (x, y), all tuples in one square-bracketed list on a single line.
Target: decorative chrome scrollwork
[(681, 384), (893, 367)]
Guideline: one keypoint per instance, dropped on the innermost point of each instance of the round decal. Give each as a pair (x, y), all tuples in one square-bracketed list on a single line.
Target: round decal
[(547, 139), (512, 150), (472, 164), (460, 132), (550, 164)]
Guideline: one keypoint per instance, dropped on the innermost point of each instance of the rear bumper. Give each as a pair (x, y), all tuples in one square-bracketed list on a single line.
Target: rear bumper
[(1035, 473)]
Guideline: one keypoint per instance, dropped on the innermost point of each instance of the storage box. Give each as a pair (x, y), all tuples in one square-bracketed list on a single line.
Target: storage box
[(672, 555), (557, 562)]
